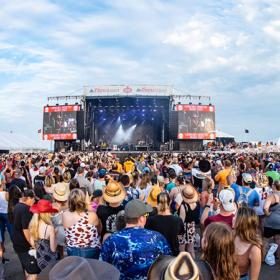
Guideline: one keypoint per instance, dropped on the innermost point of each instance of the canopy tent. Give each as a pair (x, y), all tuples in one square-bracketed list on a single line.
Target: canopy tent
[(223, 137), (13, 142)]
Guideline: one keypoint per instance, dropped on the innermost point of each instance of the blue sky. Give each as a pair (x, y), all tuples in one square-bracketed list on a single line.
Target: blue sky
[(226, 49)]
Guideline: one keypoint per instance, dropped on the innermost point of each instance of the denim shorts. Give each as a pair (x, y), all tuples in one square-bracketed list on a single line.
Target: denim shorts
[(244, 277), (88, 252)]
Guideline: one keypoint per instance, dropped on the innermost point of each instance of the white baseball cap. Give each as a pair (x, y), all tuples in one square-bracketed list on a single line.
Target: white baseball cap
[(226, 197)]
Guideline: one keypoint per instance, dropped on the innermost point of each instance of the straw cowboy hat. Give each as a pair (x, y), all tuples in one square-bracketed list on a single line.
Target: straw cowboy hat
[(152, 197), (182, 267), (61, 191), (189, 194), (114, 192)]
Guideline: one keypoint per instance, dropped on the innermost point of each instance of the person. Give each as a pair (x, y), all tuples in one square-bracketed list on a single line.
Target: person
[(49, 184), (248, 243), (21, 235), (153, 194), (113, 195), (42, 233), (221, 177), (131, 192), (18, 180), (133, 249), (60, 197), (96, 200), (272, 214), (81, 227), (189, 213), (100, 183), (83, 182), (73, 267), (208, 186), (227, 209), (164, 222), (245, 193), (219, 252), (41, 176)]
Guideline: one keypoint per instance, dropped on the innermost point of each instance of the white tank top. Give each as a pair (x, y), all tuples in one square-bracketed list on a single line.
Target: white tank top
[(3, 203)]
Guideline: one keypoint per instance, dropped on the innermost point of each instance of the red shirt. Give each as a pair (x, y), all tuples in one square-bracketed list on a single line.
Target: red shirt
[(219, 218)]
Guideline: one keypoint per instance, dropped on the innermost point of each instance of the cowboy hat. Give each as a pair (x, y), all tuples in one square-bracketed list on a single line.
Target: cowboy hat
[(114, 192), (79, 268), (189, 194), (61, 191), (43, 206), (180, 267), (152, 197)]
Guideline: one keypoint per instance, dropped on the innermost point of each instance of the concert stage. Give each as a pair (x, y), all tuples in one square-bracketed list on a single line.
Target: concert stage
[(130, 118)]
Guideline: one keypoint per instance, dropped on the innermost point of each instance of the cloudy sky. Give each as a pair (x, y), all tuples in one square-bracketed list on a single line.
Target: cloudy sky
[(226, 49)]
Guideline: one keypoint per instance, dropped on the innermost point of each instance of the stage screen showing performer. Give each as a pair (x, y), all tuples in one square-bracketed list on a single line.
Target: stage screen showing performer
[(196, 121), (60, 122)]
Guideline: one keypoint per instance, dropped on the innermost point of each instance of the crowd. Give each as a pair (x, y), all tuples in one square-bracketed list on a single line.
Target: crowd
[(149, 216)]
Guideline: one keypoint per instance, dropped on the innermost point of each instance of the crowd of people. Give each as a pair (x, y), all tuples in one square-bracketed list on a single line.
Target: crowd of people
[(90, 215)]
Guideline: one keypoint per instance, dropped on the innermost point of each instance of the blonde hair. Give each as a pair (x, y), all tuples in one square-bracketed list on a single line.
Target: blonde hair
[(35, 222), (49, 181), (163, 201), (77, 201), (219, 251)]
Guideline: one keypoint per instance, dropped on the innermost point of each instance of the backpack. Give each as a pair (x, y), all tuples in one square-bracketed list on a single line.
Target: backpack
[(244, 196)]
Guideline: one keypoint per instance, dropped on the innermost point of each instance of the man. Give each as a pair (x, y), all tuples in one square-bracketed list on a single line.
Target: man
[(222, 175), (129, 165), (40, 178), (18, 180), (83, 182), (134, 249), (227, 209), (245, 194), (131, 193), (21, 236)]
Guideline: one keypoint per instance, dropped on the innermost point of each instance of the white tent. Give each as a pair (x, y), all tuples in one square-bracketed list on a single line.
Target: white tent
[(14, 142), (221, 134)]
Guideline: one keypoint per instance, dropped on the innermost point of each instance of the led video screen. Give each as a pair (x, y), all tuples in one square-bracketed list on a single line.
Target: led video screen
[(196, 121), (60, 122)]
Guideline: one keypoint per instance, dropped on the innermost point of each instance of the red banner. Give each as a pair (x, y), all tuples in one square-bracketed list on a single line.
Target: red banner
[(67, 136), (199, 108), (64, 108), (201, 136)]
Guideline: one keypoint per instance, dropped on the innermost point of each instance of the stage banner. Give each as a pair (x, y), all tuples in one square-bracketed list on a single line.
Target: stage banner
[(60, 122), (130, 90)]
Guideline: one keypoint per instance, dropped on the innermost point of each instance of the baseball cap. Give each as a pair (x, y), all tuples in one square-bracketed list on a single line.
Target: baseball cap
[(83, 164), (136, 208), (42, 169), (226, 197), (247, 178), (102, 172)]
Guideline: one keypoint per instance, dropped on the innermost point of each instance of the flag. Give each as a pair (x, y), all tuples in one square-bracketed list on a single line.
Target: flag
[(246, 131), (40, 130)]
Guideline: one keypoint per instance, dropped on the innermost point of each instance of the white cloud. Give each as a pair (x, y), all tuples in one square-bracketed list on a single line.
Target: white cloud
[(273, 29)]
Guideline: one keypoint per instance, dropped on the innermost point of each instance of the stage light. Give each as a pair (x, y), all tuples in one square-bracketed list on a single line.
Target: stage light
[(210, 104), (56, 104), (76, 103), (143, 115), (153, 119), (100, 111), (154, 110), (66, 104), (190, 103), (199, 103), (143, 110)]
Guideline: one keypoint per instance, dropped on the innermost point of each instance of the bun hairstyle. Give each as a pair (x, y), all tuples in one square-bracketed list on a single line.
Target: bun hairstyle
[(163, 201)]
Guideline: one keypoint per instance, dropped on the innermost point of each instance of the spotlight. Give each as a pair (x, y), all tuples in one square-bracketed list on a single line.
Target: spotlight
[(100, 111), (56, 104), (190, 103), (143, 110), (210, 104), (155, 110), (199, 103), (153, 119), (66, 104), (76, 103)]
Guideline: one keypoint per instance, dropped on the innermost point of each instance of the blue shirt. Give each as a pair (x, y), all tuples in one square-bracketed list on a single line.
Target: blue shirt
[(170, 186), (253, 198), (133, 250)]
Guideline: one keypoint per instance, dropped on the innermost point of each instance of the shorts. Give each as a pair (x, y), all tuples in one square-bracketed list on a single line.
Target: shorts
[(189, 235), (269, 232), (29, 263), (88, 252)]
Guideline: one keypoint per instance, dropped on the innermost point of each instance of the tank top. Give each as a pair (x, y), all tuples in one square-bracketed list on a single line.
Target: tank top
[(273, 220), (191, 215), (82, 234), (244, 261), (3, 203)]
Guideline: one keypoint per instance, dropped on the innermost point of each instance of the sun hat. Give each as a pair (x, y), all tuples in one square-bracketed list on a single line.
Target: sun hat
[(61, 191), (179, 268), (226, 197), (43, 206), (247, 178), (79, 268), (189, 194), (114, 192), (136, 208), (152, 197)]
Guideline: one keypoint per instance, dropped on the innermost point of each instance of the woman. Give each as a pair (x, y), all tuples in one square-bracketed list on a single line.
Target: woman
[(82, 238), (15, 194), (272, 212), (164, 222), (189, 213), (248, 243), (42, 233), (144, 186), (218, 251), (49, 182)]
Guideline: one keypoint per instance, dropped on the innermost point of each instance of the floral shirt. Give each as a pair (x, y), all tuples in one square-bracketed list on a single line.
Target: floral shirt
[(133, 250)]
